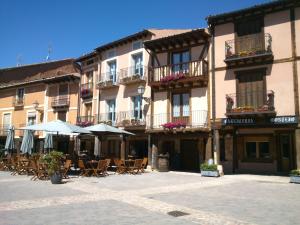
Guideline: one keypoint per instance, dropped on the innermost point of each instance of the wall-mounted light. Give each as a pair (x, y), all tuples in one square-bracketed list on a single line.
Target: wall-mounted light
[(36, 106)]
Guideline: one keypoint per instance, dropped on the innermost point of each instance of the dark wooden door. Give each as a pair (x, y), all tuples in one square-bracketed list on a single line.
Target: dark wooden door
[(189, 155)]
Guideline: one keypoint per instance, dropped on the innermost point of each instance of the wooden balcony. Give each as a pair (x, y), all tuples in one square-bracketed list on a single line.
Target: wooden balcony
[(60, 102), (190, 121), (250, 104), (86, 90), (108, 80), (18, 103), (85, 121), (133, 75), (130, 119), (249, 49), (189, 74)]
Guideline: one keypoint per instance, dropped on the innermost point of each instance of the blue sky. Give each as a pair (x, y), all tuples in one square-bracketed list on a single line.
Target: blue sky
[(76, 27)]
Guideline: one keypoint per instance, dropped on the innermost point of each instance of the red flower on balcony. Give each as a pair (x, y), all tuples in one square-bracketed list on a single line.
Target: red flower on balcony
[(172, 77), (84, 123), (172, 125), (85, 91)]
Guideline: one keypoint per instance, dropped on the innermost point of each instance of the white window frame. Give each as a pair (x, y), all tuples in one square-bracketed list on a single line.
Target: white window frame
[(36, 116)]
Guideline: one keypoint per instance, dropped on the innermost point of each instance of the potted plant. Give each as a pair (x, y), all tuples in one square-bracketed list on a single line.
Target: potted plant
[(295, 176), (53, 161), (209, 170)]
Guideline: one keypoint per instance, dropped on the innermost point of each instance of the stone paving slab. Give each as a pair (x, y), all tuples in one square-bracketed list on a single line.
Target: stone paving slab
[(100, 212)]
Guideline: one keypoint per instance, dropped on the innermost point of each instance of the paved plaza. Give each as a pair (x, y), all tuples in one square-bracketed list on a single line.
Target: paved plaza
[(150, 198)]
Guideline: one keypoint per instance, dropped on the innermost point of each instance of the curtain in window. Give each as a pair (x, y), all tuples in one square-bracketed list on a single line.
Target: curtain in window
[(112, 71), (185, 105), (138, 64), (176, 105), (111, 110), (137, 107)]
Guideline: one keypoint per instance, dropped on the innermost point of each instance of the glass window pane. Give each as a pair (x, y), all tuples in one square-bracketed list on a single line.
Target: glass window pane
[(264, 151), (251, 149), (186, 104), (176, 105)]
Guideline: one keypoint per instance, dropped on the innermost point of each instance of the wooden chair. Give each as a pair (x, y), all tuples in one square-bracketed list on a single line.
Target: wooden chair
[(100, 168), (42, 172), (120, 166), (135, 169), (144, 164), (106, 167), (83, 170), (33, 170), (66, 168)]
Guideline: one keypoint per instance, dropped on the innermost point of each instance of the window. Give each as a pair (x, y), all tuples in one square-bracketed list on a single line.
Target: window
[(6, 121), (63, 89), (112, 70), (62, 115), (258, 150), (88, 109), (285, 146), (137, 64), (249, 27), (89, 76), (251, 89), (111, 110), (180, 62), (111, 53), (136, 45), (31, 118), (137, 107), (181, 105), (20, 93)]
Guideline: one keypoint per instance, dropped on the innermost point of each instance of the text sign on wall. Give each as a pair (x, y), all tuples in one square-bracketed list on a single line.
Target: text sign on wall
[(278, 120), (284, 120)]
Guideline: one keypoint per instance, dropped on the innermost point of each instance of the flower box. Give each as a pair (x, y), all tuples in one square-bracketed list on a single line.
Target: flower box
[(208, 173), (172, 125), (172, 78), (209, 170), (295, 176)]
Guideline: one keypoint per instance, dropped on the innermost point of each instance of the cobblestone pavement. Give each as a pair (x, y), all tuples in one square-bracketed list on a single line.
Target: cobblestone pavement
[(149, 198)]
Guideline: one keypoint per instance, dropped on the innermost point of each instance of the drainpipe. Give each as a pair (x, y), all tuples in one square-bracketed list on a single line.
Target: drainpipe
[(213, 96)]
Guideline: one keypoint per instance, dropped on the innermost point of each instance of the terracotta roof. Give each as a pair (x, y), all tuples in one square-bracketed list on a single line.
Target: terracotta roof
[(37, 72)]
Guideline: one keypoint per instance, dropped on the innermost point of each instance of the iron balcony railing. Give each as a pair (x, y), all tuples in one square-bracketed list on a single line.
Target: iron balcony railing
[(18, 102), (174, 72), (250, 102), (249, 45), (133, 74), (86, 90), (108, 79), (107, 118), (60, 101), (130, 118), (85, 121), (188, 119)]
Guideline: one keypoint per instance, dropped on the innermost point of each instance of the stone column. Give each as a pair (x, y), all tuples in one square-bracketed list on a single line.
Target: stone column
[(149, 152), (297, 147), (216, 147), (154, 156), (208, 152), (123, 148)]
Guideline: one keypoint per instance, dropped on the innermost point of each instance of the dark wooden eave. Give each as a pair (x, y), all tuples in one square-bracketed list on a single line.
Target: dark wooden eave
[(257, 10), (125, 40), (86, 56), (193, 37)]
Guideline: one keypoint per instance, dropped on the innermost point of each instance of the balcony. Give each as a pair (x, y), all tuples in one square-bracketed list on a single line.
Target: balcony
[(249, 49), (85, 121), (60, 102), (18, 103), (130, 119), (108, 80), (107, 118), (179, 75), (192, 120), (133, 75), (4, 129), (255, 103), (86, 90)]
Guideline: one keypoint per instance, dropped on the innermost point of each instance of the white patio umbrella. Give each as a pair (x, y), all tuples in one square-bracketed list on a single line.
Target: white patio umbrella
[(9, 143), (48, 142), (27, 142), (58, 127), (102, 128)]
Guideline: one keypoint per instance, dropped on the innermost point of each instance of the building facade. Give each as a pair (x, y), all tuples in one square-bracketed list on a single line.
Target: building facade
[(255, 87), (178, 124), (38, 93)]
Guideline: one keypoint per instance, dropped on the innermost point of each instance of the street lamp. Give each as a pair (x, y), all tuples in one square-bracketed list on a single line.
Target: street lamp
[(141, 91), (36, 106)]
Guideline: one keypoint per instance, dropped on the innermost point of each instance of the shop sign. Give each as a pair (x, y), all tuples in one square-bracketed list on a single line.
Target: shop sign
[(284, 120), (278, 120)]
